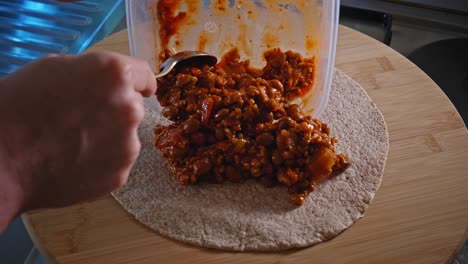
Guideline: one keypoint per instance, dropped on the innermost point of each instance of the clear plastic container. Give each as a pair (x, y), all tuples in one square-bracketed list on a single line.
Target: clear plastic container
[(308, 27)]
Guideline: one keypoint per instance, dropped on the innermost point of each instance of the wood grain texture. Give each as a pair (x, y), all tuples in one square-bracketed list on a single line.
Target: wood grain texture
[(419, 215)]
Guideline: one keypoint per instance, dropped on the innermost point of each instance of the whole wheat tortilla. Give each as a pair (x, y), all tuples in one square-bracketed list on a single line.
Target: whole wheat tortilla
[(249, 216)]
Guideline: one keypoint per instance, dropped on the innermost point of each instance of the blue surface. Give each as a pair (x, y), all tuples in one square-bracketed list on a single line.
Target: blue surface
[(30, 29), (15, 244)]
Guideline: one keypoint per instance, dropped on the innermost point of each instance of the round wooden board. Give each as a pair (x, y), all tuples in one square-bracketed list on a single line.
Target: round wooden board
[(419, 215)]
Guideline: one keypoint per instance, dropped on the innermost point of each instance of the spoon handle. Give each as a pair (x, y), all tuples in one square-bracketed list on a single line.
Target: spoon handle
[(161, 74)]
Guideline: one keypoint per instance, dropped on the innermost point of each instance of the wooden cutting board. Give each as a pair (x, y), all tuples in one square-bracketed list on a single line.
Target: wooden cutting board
[(419, 215)]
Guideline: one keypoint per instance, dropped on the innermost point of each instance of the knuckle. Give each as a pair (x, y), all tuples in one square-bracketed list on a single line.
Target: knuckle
[(120, 179), (138, 112), (92, 60), (133, 150), (128, 158), (117, 71), (131, 110), (110, 67)]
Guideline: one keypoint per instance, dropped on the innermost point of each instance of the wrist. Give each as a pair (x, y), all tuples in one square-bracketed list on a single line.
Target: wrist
[(10, 200), (11, 191)]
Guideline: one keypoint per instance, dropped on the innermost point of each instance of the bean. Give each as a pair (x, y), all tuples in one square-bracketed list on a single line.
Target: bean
[(272, 106), (276, 157), (282, 140), (275, 59), (179, 152), (220, 81), (299, 199), (170, 112), (255, 168), (288, 155), (207, 79), (233, 174), (277, 85), (295, 112), (325, 129), (184, 80), (263, 94), (265, 139), (191, 125), (269, 116), (184, 179), (284, 177), (198, 139), (240, 145), (219, 134), (221, 114), (202, 166), (193, 179)]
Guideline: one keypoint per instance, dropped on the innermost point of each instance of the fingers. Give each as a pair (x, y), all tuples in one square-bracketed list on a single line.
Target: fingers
[(129, 157), (125, 113), (125, 70), (141, 75), (122, 150), (128, 80), (128, 108)]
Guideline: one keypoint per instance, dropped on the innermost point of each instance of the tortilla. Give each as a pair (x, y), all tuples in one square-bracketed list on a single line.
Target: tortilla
[(250, 217)]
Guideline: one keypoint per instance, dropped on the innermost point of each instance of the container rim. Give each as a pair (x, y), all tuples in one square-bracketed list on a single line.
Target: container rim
[(130, 27), (330, 67)]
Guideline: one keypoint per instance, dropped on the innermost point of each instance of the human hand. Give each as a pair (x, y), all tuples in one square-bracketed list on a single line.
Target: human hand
[(69, 128)]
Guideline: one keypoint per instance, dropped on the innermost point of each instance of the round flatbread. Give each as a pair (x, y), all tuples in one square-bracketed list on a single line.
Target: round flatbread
[(249, 216)]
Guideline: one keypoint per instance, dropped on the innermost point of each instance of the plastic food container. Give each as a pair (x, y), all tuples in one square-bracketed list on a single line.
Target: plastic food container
[(215, 26)]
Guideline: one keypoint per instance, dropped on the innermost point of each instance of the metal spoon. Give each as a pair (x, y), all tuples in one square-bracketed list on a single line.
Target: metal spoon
[(193, 57)]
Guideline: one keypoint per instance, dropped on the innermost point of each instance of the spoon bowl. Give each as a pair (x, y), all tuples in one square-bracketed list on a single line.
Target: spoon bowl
[(185, 57)]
